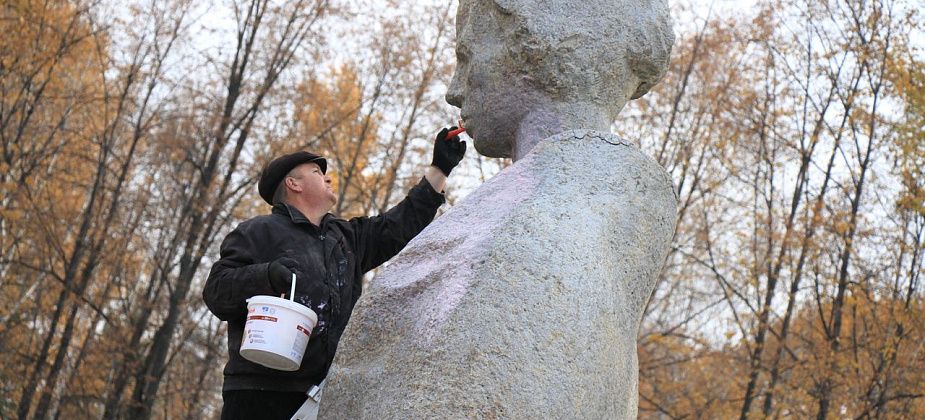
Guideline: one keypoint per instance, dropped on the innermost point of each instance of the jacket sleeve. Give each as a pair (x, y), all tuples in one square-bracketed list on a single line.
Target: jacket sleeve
[(235, 277), (381, 237)]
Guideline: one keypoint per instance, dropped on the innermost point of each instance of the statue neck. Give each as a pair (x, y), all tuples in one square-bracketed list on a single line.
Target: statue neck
[(553, 118)]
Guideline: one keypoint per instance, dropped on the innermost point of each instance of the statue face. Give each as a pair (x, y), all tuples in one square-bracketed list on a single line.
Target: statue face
[(556, 57), (486, 86)]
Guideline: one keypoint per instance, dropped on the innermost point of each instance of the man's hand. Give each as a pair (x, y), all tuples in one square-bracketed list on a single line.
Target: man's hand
[(448, 151), (279, 272)]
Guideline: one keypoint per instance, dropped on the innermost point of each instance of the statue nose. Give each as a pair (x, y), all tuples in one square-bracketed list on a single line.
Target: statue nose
[(454, 98), (454, 94)]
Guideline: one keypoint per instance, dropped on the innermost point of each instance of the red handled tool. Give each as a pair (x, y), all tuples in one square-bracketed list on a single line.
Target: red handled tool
[(456, 132)]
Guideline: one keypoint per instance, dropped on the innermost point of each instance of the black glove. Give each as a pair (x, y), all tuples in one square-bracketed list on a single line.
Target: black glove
[(448, 152), (279, 273)]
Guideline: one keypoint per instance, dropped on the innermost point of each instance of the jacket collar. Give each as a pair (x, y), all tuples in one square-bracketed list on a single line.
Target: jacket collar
[(296, 216)]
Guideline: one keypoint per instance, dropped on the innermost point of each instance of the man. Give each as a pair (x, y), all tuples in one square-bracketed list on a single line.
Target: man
[(328, 256)]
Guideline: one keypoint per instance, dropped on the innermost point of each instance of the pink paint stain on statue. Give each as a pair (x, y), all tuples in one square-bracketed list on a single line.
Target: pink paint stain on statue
[(462, 232)]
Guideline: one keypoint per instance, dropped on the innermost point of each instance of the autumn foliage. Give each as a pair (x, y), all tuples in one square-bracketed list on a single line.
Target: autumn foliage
[(794, 134), (132, 137)]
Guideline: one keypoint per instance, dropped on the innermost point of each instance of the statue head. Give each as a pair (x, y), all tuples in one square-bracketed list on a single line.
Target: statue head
[(531, 68)]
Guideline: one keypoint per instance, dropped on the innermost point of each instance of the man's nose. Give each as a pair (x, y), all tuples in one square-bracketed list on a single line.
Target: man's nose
[(327, 179)]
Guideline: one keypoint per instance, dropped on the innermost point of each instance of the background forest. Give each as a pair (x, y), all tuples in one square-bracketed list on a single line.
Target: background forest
[(132, 133)]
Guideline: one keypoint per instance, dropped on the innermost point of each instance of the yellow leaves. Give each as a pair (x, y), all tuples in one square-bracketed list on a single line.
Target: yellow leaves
[(334, 116), (325, 104), (906, 72), (841, 226), (11, 215), (708, 378), (658, 339), (761, 100), (912, 200)]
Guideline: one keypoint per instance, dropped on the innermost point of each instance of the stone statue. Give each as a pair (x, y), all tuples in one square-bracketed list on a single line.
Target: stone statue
[(524, 300)]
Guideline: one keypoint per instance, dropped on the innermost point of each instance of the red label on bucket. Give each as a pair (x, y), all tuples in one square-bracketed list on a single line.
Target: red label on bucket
[(301, 328), (262, 318)]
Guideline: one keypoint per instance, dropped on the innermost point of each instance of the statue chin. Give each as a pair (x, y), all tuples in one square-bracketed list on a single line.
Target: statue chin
[(492, 149), (491, 137)]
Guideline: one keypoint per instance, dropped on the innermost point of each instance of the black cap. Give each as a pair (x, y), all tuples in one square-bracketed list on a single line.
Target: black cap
[(274, 172)]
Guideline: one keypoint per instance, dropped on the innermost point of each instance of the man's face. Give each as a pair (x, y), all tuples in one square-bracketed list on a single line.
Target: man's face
[(487, 87), (308, 181)]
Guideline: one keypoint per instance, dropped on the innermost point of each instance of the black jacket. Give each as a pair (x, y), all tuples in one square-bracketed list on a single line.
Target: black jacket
[(333, 259)]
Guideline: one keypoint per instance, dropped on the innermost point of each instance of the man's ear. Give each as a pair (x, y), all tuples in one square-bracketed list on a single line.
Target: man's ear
[(292, 184)]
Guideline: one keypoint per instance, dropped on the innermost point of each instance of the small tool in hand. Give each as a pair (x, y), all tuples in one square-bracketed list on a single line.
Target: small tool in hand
[(457, 131)]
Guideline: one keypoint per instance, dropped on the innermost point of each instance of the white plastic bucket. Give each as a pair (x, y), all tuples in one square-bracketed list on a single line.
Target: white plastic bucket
[(276, 332)]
